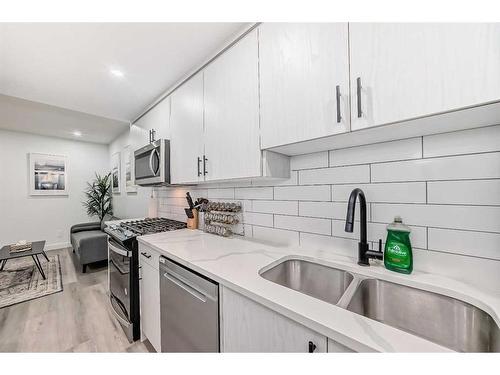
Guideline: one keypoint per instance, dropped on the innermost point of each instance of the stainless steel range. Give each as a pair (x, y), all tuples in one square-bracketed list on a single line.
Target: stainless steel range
[(123, 267)]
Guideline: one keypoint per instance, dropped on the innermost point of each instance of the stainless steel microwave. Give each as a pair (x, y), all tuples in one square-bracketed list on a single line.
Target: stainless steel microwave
[(152, 163)]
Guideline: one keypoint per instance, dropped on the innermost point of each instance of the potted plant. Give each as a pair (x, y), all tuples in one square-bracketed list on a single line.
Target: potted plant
[(98, 197)]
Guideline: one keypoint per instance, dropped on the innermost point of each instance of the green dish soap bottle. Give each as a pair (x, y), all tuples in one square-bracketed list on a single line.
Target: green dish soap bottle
[(398, 255)]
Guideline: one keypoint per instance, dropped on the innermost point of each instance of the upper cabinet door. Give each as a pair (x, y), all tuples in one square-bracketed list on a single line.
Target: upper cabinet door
[(232, 112), (409, 70), (186, 125), (304, 81), (157, 119)]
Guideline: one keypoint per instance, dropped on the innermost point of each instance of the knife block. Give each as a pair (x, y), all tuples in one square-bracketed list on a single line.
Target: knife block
[(193, 223)]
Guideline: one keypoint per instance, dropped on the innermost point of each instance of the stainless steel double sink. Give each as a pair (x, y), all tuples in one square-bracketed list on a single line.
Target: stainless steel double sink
[(444, 320)]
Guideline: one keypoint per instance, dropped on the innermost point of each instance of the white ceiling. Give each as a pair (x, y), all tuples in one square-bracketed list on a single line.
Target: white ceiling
[(37, 118), (68, 64)]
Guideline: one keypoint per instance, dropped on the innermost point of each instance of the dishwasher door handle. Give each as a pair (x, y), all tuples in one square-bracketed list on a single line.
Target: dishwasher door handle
[(183, 285)]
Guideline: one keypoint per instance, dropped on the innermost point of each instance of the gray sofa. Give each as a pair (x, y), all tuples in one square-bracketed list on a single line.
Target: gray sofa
[(90, 242)]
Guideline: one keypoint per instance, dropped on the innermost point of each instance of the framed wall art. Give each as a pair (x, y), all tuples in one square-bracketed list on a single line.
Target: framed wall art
[(115, 173), (48, 174), (128, 157)]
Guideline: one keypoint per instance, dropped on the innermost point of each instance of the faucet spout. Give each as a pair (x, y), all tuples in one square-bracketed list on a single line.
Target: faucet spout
[(364, 253), (351, 206)]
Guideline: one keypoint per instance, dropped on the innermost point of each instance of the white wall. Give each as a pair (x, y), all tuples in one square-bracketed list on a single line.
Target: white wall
[(445, 186), (130, 205), (38, 217)]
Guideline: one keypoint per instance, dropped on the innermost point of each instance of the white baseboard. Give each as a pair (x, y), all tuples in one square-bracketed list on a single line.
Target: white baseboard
[(57, 246)]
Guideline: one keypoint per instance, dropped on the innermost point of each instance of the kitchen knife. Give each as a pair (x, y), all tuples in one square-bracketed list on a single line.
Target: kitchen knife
[(189, 200), (189, 213)]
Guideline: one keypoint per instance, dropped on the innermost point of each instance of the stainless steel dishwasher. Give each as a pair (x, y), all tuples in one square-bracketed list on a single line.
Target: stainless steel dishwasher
[(189, 310)]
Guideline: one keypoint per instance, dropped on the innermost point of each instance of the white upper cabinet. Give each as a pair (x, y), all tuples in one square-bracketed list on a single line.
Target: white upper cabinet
[(409, 70), (157, 119), (304, 81), (186, 141), (232, 146)]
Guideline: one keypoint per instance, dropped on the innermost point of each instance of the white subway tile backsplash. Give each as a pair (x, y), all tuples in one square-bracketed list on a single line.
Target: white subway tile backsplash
[(387, 151), (463, 142), (464, 167), (276, 236), (175, 201), (480, 218), (227, 193), (172, 216), (331, 210), (159, 192), (450, 198), (479, 244), (254, 193), (305, 193), (337, 175), (255, 218), (276, 207), (478, 192), (309, 161), (399, 192), (376, 231), (335, 245), (248, 230), (198, 193), (469, 270), (247, 205), (303, 224), (177, 192)]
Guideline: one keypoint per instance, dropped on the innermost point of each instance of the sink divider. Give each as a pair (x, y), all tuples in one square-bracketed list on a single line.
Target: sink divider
[(351, 289)]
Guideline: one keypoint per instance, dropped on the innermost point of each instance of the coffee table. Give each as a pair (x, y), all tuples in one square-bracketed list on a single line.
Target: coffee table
[(36, 249)]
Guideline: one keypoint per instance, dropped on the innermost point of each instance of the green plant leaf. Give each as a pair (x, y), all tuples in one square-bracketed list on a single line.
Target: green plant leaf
[(98, 198)]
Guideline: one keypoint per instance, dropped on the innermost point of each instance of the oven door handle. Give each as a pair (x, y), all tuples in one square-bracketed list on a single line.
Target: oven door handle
[(125, 322), (117, 250)]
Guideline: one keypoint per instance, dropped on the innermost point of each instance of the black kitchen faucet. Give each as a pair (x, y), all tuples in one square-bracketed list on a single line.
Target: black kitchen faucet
[(364, 252)]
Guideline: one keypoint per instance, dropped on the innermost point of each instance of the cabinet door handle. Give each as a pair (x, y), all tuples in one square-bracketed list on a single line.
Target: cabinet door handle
[(205, 172), (337, 94), (199, 169), (312, 347), (146, 255), (358, 95)]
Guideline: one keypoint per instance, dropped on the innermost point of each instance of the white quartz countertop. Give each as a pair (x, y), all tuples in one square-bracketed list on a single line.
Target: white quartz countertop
[(236, 262)]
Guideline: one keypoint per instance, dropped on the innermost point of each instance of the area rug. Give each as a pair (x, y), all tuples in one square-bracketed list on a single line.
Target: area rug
[(21, 281)]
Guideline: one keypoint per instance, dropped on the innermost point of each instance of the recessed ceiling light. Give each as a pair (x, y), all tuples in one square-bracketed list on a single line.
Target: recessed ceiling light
[(117, 73), (77, 133)]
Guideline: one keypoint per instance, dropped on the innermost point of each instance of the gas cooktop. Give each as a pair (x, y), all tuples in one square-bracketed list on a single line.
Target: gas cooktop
[(152, 225), (133, 228)]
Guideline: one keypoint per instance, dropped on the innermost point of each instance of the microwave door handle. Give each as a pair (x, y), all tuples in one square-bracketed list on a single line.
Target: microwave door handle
[(151, 162), (155, 151)]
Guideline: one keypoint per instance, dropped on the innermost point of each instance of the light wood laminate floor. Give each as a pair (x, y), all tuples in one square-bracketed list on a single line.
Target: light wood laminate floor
[(78, 319)]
